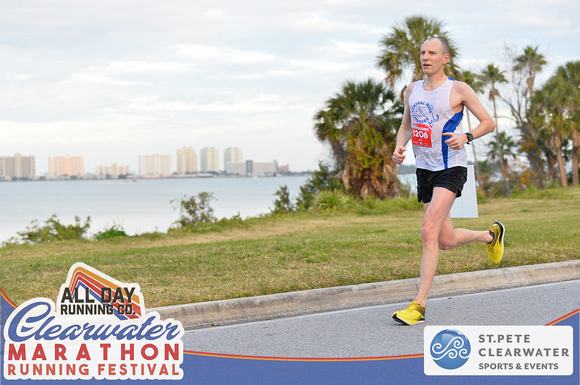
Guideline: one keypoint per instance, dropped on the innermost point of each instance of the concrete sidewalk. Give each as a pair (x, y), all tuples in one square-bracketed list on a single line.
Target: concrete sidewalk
[(258, 308)]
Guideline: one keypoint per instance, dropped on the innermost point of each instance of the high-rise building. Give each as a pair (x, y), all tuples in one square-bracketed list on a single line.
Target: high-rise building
[(235, 168), (209, 160), (186, 161), (155, 165), (233, 154), (261, 168), (113, 170), (17, 166), (66, 165)]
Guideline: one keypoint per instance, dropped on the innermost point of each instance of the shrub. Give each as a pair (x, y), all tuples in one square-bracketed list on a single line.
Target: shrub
[(334, 201), (323, 179), (53, 230), (112, 232), (194, 210), (283, 204)]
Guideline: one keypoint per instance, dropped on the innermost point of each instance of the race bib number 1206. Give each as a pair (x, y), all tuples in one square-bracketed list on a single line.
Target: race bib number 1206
[(422, 135)]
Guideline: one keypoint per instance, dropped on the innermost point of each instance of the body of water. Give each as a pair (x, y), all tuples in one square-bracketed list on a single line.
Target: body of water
[(139, 207), (409, 180)]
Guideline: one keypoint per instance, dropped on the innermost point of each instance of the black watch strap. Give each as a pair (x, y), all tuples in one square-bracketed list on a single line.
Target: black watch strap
[(469, 137)]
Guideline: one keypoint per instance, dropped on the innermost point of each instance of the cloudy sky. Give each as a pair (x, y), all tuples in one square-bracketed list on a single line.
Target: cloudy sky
[(114, 79)]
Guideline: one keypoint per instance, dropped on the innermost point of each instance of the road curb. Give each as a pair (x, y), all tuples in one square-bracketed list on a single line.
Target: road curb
[(250, 309)]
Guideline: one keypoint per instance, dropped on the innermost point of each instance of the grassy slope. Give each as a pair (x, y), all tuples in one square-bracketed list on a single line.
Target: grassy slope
[(295, 252)]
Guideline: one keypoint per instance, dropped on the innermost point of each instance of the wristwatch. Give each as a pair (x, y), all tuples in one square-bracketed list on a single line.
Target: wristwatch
[(469, 137)]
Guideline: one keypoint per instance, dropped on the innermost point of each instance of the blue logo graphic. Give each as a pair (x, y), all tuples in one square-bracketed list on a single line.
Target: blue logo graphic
[(450, 349), (422, 113)]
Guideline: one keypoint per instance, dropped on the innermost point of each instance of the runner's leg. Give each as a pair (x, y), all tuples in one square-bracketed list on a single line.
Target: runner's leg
[(436, 213)]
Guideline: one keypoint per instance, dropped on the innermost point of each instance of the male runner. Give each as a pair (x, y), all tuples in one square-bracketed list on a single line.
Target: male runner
[(432, 119)]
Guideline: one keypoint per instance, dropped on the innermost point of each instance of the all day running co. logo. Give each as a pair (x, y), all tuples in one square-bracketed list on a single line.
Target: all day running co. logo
[(98, 329)]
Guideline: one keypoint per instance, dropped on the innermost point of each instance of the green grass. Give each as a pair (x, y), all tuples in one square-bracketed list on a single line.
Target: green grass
[(365, 242)]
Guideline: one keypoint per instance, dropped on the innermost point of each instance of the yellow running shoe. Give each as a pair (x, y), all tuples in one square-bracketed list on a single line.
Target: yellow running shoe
[(495, 247), (413, 314)]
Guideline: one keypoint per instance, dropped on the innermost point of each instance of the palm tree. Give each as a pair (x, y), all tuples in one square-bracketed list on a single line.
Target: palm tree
[(526, 67), (570, 74), (401, 49), (501, 148), (550, 105), (490, 77), (532, 62), (472, 80), (361, 122)]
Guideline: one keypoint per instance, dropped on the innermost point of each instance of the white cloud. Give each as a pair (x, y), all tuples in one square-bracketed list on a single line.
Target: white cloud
[(135, 66), (94, 78), (540, 21), (221, 55), (351, 48), (225, 103), (314, 66), (15, 76)]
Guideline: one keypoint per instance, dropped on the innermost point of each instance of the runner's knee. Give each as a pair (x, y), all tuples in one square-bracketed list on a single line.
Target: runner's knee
[(429, 232)]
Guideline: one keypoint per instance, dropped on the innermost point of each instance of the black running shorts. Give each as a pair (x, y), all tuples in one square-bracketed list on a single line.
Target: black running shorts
[(452, 179)]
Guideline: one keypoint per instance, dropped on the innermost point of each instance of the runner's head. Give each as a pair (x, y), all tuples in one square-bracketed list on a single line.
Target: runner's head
[(443, 42), (434, 55)]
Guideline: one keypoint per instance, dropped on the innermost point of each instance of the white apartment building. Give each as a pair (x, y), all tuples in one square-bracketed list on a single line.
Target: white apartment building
[(186, 161), (261, 168), (236, 168), (17, 166), (265, 168), (209, 160), (113, 170), (151, 166), (66, 165), (233, 154)]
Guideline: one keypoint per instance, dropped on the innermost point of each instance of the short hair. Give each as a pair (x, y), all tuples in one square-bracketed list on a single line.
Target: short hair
[(444, 44)]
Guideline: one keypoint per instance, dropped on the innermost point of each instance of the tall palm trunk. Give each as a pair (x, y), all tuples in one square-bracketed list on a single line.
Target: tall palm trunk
[(533, 154), (557, 141), (503, 161), (575, 156)]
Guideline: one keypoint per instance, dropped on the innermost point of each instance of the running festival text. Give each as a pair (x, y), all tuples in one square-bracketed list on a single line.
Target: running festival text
[(98, 329)]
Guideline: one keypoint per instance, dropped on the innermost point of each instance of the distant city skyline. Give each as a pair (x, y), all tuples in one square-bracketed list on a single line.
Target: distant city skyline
[(155, 165)]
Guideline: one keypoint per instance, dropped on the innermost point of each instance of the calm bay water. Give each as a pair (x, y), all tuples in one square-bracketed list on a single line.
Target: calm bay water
[(139, 207)]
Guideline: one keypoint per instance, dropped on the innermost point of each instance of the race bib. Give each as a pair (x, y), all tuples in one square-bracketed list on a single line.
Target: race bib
[(422, 135)]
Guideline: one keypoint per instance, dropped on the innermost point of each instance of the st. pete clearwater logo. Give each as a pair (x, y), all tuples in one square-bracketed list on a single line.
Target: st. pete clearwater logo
[(450, 349)]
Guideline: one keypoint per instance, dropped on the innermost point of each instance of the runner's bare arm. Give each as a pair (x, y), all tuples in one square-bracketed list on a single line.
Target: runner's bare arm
[(404, 134), (463, 95)]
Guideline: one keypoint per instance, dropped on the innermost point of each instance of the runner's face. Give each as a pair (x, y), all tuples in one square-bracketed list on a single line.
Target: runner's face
[(432, 58)]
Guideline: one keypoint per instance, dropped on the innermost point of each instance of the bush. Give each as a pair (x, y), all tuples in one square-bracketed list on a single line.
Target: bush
[(111, 232), (53, 230), (334, 201), (194, 210), (324, 179), (283, 204)]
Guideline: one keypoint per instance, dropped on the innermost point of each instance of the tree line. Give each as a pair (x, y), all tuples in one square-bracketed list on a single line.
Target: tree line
[(360, 122)]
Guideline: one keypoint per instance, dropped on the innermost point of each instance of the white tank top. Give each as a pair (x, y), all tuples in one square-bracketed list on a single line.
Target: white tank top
[(431, 116)]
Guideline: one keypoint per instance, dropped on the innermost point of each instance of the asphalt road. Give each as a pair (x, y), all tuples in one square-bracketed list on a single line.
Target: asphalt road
[(371, 332)]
